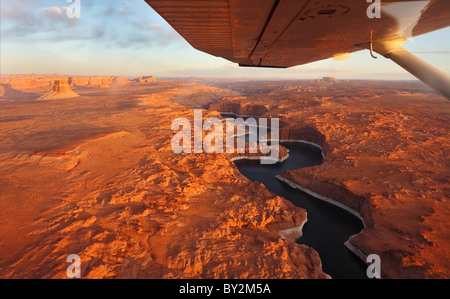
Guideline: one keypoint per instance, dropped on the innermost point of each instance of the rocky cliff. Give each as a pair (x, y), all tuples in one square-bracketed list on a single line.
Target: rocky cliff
[(104, 184), (146, 79), (238, 105), (102, 82), (60, 90), (385, 146)]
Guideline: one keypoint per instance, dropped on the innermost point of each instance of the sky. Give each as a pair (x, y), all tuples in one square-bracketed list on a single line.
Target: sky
[(128, 38)]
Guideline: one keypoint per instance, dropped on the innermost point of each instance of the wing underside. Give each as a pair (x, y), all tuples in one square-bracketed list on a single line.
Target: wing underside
[(285, 33)]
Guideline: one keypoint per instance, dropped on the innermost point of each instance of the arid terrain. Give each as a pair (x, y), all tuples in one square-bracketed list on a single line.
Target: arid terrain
[(86, 168), (386, 157)]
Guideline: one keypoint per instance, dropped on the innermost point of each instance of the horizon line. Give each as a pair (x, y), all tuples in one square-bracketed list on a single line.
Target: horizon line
[(209, 78)]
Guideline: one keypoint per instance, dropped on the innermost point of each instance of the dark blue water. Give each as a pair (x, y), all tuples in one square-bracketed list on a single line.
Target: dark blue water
[(328, 226)]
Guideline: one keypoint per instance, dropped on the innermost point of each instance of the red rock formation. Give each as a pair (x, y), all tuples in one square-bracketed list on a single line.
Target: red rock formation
[(385, 159), (238, 105), (98, 82), (146, 79), (306, 133), (29, 83), (60, 90), (129, 206), (132, 209), (61, 87), (79, 81), (327, 80), (120, 81)]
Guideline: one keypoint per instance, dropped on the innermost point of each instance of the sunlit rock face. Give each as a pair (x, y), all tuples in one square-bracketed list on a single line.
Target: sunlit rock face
[(386, 157), (98, 81), (146, 79), (95, 176), (60, 90)]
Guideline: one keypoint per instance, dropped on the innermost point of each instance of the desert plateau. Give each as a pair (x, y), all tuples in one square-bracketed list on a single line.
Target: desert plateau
[(87, 168)]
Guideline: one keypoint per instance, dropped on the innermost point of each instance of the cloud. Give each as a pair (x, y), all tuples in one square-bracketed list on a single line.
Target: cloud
[(9, 12), (23, 22), (15, 11), (53, 12), (98, 23), (56, 16), (155, 26)]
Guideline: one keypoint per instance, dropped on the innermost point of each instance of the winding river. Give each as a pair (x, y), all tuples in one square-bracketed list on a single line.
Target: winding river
[(328, 226)]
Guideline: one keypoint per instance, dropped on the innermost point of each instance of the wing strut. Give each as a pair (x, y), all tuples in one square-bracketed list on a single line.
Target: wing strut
[(371, 45), (425, 72)]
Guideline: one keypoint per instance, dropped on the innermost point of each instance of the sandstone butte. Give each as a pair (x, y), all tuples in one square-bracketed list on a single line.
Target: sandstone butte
[(95, 176), (60, 90), (33, 83), (102, 82), (146, 79)]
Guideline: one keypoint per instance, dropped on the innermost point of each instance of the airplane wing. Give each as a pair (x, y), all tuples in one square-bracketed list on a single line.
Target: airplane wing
[(285, 33)]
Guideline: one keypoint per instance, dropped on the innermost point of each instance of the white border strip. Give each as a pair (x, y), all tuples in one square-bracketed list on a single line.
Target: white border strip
[(305, 142), (296, 231), (323, 198)]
